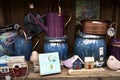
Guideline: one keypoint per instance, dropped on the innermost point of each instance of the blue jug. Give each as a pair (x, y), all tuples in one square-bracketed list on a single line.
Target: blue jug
[(22, 46)]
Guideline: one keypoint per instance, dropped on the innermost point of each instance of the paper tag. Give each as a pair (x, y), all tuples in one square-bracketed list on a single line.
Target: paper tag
[(101, 58), (101, 51)]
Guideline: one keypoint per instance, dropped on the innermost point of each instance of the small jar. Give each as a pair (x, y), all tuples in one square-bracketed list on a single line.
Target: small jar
[(114, 48), (57, 45), (87, 45)]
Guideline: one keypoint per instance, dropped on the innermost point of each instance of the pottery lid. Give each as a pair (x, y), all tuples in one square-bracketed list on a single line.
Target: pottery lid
[(56, 39), (115, 41)]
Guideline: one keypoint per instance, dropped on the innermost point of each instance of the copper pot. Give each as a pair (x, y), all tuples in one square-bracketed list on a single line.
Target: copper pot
[(95, 26)]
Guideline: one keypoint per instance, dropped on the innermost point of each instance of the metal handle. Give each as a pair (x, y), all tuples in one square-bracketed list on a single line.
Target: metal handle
[(36, 44), (68, 19), (26, 38)]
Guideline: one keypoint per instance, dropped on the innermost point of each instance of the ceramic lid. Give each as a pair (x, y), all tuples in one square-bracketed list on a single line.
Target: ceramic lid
[(115, 41)]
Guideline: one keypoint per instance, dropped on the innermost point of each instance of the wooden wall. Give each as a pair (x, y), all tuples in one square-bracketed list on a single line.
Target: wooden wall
[(15, 10), (2, 19), (110, 10)]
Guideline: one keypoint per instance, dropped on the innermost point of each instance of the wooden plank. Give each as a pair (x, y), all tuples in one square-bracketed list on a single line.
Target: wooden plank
[(96, 74), (86, 71), (2, 20)]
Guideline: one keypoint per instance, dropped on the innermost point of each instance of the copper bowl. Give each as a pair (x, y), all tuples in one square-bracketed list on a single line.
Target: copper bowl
[(95, 26)]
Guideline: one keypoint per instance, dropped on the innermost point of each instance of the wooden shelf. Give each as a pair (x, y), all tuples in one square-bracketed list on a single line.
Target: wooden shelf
[(99, 74)]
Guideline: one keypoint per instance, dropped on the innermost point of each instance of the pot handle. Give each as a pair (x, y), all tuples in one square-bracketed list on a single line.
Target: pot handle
[(112, 24)]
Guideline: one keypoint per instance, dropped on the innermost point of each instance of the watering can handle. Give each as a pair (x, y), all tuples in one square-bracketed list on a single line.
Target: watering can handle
[(68, 20), (26, 38), (60, 12), (36, 44)]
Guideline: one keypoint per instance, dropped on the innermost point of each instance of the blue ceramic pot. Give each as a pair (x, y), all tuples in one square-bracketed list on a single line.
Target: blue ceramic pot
[(87, 45), (56, 45)]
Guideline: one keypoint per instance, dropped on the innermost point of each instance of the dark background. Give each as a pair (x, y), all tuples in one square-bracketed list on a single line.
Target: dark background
[(13, 11)]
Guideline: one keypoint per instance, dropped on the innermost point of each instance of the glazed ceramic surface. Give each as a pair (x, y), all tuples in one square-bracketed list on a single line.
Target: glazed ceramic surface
[(56, 45), (114, 48), (91, 46), (7, 39)]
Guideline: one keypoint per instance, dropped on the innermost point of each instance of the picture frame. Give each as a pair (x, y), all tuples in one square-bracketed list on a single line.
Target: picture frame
[(49, 63), (87, 9)]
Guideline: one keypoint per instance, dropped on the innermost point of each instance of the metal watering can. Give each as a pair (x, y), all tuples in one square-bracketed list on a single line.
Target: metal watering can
[(22, 46), (54, 23)]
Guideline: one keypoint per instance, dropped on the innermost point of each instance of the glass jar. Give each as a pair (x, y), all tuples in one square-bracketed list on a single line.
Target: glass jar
[(87, 45), (56, 45)]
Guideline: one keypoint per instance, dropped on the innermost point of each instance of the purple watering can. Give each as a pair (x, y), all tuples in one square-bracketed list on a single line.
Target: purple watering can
[(54, 24)]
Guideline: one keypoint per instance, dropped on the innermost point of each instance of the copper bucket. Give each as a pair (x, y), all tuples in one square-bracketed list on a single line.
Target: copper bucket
[(95, 26)]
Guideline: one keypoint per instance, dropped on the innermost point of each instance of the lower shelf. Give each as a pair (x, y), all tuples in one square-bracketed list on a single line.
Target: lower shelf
[(96, 74)]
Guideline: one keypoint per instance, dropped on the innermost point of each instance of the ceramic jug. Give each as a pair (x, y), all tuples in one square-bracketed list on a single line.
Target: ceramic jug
[(22, 46)]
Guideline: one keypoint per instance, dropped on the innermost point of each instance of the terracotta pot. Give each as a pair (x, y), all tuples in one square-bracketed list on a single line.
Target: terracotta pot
[(94, 26)]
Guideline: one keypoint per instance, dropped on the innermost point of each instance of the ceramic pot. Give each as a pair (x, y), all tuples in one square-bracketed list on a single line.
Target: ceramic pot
[(87, 45), (57, 45), (114, 48)]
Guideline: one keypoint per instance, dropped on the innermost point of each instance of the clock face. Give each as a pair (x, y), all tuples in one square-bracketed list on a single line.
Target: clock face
[(111, 32)]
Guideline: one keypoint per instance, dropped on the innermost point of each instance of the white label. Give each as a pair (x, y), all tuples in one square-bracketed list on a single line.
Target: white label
[(4, 69), (101, 51), (101, 58), (89, 59)]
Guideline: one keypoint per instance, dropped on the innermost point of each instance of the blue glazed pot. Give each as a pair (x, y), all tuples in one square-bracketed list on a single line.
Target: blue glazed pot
[(87, 45), (20, 46), (7, 38), (56, 45)]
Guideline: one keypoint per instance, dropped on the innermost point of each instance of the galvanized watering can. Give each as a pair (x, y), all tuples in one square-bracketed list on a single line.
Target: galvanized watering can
[(22, 46)]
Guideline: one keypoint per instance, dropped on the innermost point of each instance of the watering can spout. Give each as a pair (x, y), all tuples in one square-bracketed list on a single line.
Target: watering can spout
[(38, 22)]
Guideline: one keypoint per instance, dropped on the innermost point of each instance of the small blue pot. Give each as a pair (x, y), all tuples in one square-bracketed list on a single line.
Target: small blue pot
[(56, 45)]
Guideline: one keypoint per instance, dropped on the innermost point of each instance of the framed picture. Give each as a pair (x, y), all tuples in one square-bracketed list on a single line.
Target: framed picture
[(87, 9), (49, 63)]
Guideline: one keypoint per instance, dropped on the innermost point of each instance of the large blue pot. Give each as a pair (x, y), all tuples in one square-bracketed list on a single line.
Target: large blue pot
[(87, 45), (56, 45)]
